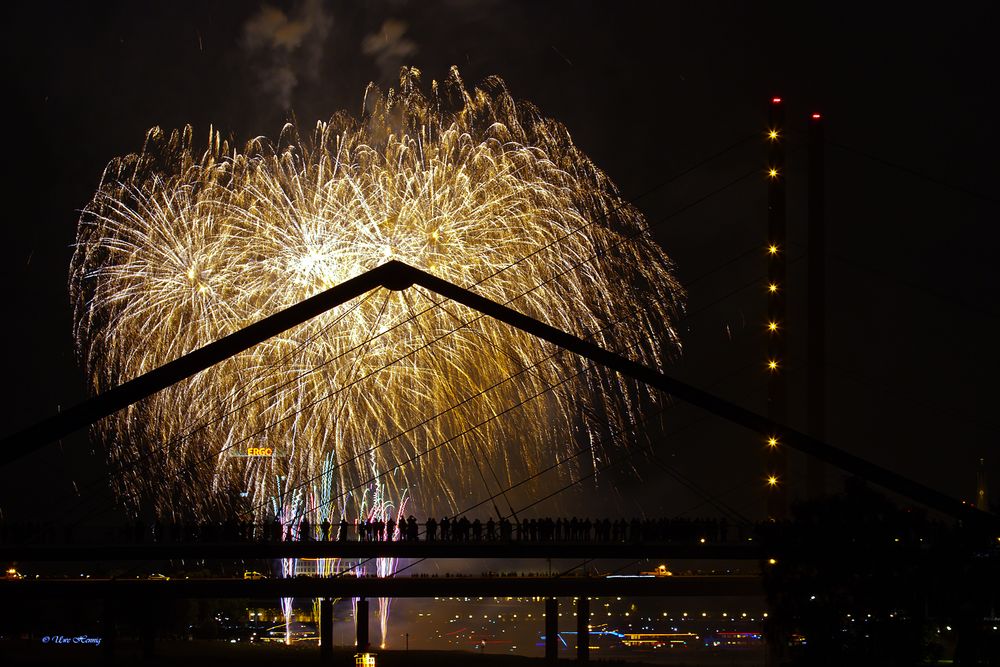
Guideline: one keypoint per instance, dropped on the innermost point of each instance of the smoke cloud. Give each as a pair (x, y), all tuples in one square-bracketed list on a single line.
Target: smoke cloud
[(389, 47), (283, 47)]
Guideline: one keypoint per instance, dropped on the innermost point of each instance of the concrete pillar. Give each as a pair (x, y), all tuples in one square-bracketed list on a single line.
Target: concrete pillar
[(148, 628), (361, 622), (551, 630), (583, 629), (326, 629), (108, 628)]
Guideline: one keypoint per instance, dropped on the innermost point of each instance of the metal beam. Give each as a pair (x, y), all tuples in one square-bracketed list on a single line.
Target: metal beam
[(710, 402), (107, 403), (398, 276), (372, 587)]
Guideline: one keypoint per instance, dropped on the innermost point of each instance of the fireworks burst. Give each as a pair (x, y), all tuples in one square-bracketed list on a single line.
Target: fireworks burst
[(182, 245)]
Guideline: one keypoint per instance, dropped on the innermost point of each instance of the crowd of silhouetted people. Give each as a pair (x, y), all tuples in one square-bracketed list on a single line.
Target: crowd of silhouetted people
[(445, 530), (408, 529)]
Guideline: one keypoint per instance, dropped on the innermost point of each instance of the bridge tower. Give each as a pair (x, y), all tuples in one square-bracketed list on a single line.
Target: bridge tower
[(816, 304), (776, 250)]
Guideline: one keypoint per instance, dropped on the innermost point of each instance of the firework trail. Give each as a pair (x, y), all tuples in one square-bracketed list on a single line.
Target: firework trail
[(376, 509), (184, 243), (286, 511)]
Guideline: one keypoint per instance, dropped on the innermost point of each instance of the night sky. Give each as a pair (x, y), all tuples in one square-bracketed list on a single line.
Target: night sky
[(647, 90)]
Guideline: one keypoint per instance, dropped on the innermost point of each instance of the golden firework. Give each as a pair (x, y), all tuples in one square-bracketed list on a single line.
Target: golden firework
[(183, 245)]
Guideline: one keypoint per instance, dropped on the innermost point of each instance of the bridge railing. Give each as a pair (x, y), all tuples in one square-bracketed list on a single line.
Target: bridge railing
[(543, 530)]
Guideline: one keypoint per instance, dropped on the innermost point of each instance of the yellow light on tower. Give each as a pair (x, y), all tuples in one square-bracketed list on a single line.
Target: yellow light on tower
[(772, 364), (772, 287), (772, 173), (772, 134), (772, 442), (772, 326), (772, 249), (772, 481)]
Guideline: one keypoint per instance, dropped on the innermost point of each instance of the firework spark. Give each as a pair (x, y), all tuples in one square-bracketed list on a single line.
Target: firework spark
[(182, 245)]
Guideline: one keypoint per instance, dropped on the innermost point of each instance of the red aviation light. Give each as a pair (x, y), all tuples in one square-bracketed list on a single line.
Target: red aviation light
[(775, 100), (816, 116)]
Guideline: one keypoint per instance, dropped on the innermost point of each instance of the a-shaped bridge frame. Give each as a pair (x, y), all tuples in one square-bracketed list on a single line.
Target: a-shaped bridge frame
[(396, 275)]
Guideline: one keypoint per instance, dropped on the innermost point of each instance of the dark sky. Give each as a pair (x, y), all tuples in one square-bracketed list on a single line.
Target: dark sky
[(647, 90)]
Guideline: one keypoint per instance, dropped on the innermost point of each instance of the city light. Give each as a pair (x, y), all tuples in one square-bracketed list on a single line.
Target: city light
[(772, 172), (772, 249), (772, 442), (772, 480), (772, 326), (772, 135), (772, 364), (772, 287)]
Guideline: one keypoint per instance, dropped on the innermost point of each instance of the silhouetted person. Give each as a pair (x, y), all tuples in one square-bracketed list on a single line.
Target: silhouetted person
[(445, 529), (229, 530), (138, 531), (463, 529), (390, 528), (491, 530), (325, 529), (411, 527), (342, 534), (208, 532), (432, 527)]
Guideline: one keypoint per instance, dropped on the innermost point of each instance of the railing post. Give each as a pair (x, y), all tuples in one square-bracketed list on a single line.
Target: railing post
[(361, 623), (551, 630), (326, 629), (583, 629)]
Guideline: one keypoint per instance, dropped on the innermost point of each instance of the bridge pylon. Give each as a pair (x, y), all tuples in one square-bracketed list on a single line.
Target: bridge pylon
[(551, 630), (775, 365), (583, 629)]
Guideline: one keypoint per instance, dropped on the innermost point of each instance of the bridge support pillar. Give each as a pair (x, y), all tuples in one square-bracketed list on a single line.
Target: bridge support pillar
[(148, 628), (583, 629), (326, 629), (361, 624), (108, 628), (551, 630)]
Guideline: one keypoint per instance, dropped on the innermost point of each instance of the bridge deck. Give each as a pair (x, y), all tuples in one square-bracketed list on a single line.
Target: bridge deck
[(357, 550), (346, 586)]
